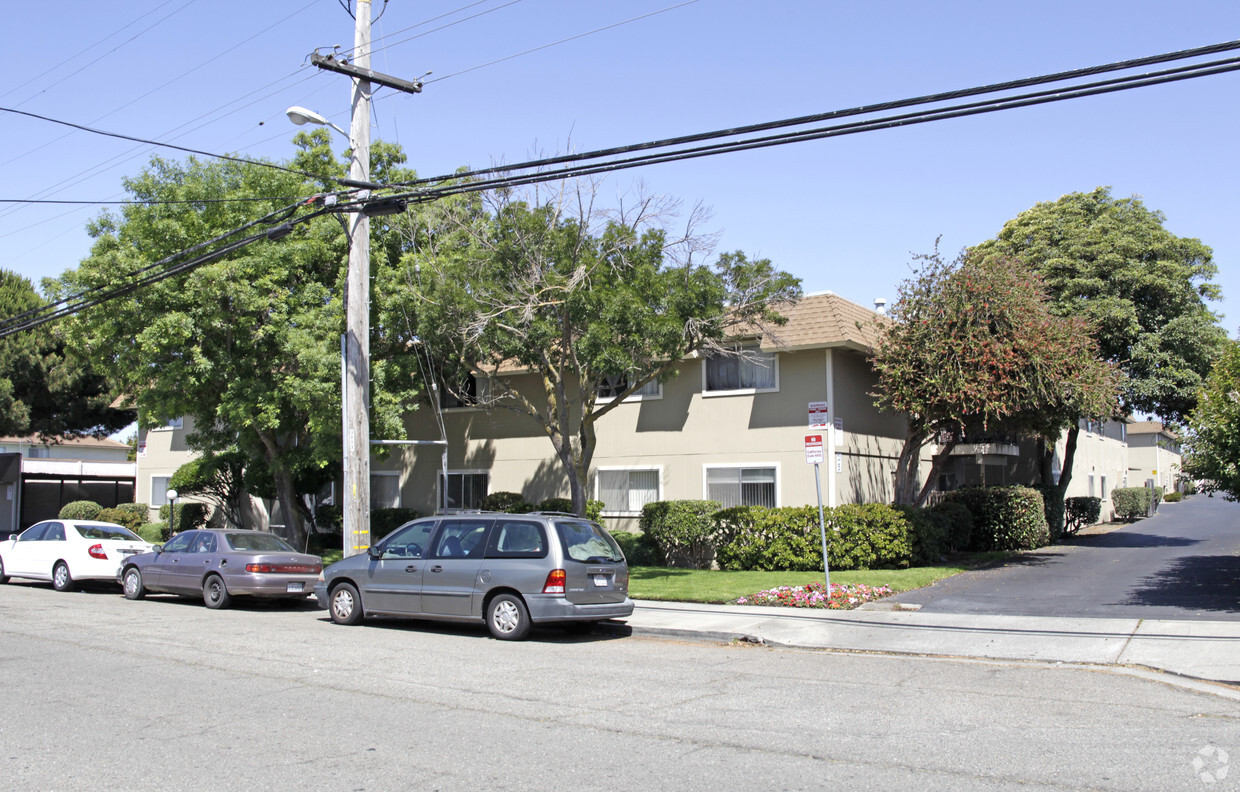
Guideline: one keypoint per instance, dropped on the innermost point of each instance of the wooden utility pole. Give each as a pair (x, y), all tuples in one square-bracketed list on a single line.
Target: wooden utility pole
[(357, 309)]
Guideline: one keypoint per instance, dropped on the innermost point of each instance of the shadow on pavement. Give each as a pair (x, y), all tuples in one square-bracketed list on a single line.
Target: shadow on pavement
[(1200, 583), (1122, 539)]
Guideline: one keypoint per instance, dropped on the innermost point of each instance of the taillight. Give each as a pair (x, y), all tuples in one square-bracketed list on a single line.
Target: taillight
[(556, 579), (286, 569), (96, 551)]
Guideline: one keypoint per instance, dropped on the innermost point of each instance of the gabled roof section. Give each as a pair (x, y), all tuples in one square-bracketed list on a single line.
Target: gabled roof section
[(825, 320), (1151, 427)]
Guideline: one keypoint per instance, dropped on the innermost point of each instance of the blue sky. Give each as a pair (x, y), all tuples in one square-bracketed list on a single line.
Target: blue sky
[(842, 214)]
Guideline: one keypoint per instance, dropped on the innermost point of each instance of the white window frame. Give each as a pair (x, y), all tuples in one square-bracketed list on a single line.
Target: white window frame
[(441, 478), (159, 495), (657, 469), (745, 466), (638, 395), (385, 474), (171, 425), (706, 392)]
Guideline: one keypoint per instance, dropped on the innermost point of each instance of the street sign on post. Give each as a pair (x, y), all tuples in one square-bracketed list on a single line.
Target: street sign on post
[(814, 453)]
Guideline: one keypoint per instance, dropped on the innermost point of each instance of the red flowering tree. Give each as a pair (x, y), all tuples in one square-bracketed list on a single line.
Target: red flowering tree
[(974, 347)]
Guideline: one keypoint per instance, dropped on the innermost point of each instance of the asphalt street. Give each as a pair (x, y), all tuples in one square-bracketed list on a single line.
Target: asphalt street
[(1182, 564), (103, 693)]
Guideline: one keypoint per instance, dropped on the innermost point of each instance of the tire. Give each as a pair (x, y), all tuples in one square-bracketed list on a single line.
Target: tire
[(3, 577), (61, 579), (215, 594), (131, 583), (345, 604), (507, 618)]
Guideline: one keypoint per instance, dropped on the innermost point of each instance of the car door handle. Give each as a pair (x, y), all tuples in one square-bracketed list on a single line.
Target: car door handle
[(411, 568), (437, 568)]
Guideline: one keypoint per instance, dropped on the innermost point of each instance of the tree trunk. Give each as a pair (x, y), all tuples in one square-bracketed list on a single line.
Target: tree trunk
[(286, 492), (1065, 475), (908, 469), (936, 466)]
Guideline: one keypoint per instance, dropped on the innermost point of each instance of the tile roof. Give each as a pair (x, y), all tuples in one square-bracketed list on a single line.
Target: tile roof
[(827, 320), (1150, 427)]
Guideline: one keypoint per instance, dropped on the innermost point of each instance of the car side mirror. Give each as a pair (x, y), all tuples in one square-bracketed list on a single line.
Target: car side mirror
[(157, 549), (374, 552)]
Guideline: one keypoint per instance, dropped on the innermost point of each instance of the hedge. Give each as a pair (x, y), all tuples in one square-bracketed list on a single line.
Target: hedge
[(123, 517), (155, 533), (681, 531), (870, 536), (384, 521), (639, 549), (1054, 508), (1133, 502), (1005, 518), (80, 510), (188, 516)]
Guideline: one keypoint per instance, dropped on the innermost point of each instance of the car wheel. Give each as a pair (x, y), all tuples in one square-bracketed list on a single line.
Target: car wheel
[(132, 582), (3, 577), (507, 618), (61, 579), (345, 604), (214, 594)]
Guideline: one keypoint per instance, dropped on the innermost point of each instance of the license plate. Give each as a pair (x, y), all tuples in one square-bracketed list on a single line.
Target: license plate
[(600, 580), (295, 588)]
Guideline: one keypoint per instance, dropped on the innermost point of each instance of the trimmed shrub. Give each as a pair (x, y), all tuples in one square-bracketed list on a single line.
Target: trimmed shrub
[(139, 510), (1131, 502), (80, 510), (957, 523), (564, 505), (1054, 509), (320, 541), (155, 533), (121, 517), (928, 534), (510, 502), (638, 549), (594, 510), (873, 536), (1172, 497), (188, 516), (1081, 511), (869, 536), (681, 530), (1005, 518), (384, 521)]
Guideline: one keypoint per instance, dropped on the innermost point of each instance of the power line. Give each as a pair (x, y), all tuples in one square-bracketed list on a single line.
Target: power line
[(138, 202), (562, 41), (168, 145)]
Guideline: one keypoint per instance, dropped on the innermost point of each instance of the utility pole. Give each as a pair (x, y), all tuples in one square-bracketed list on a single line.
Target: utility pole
[(357, 313)]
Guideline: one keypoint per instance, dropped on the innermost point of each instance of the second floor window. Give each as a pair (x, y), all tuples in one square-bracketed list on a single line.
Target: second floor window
[(753, 370), (611, 387), (459, 394)]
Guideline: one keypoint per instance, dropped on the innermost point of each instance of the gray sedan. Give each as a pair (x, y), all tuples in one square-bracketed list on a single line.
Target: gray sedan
[(220, 565)]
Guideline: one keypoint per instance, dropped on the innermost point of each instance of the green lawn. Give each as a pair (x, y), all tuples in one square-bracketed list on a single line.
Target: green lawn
[(706, 585)]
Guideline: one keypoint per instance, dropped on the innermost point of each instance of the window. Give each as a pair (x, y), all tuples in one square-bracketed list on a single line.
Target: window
[(611, 387), (159, 490), (171, 423), (1104, 487), (627, 491), (750, 371), (517, 539), (459, 394), (741, 486), (460, 539), (384, 490), (466, 490)]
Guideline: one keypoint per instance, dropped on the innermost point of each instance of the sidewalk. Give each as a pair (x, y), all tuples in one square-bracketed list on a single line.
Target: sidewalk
[(1202, 650)]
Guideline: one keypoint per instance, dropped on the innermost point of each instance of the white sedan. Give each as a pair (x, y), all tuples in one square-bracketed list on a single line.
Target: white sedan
[(66, 551)]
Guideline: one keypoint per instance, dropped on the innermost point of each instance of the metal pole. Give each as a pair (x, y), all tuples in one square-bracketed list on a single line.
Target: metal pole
[(822, 528), (356, 407)]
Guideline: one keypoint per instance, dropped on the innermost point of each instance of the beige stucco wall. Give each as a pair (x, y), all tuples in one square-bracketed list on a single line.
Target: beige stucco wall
[(680, 435), (1153, 456)]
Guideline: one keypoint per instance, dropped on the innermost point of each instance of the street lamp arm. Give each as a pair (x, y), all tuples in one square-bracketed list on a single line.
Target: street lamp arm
[(300, 116)]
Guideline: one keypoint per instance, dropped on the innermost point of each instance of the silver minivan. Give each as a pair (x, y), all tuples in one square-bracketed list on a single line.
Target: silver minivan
[(511, 570)]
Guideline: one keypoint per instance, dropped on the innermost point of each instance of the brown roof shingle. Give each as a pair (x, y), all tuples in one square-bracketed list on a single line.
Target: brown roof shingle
[(827, 320)]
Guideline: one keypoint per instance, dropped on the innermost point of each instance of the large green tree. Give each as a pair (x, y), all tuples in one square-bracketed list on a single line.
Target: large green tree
[(583, 300), (1212, 455), (972, 348), (46, 390), (1143, 290), (248, 345)]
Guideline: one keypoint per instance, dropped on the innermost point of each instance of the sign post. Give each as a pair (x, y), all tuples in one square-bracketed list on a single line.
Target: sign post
[(814, 455)]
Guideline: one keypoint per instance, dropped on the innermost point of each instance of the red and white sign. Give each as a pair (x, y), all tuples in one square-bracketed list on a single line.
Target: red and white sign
[(813, 449), (818, 414)]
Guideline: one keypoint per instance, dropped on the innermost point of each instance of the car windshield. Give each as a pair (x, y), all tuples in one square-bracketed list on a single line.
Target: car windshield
[(587, 542), (106, 532), (257, 541)]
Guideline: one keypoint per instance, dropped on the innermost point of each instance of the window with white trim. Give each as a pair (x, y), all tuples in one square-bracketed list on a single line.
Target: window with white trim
[(159, 490), (465, 489), (627, 490), (748, 372), (468, 392), (384, 490), (169, 425), (611, 387), (741, 486)]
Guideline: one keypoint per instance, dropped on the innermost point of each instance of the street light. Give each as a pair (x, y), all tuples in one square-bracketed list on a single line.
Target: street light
[(171, 495), (355, 390), (301, 116)]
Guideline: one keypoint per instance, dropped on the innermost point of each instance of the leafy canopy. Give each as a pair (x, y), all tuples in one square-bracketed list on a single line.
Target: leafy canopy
[(1212, 453)]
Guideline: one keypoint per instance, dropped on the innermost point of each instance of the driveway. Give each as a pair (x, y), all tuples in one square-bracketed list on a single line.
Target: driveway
[(1183, 563)]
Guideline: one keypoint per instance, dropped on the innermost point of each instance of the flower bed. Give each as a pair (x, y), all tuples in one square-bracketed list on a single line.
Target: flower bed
[(814, 595)]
